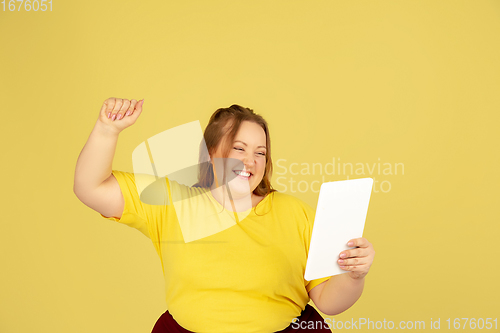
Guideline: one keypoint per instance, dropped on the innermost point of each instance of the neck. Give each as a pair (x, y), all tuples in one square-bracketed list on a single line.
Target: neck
[(237, 203)]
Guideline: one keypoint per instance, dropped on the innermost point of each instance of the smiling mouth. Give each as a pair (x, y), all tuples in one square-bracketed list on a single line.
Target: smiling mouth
[(242, 174)]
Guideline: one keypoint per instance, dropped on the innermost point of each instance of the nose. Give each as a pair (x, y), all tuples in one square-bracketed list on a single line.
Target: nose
[(248, 161)]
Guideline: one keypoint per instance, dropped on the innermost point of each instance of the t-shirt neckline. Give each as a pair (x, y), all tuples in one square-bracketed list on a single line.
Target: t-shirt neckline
[(247, 212)]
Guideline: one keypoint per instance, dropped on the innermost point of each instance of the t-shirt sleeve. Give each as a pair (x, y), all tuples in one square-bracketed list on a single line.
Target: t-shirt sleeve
[(137, 214), (307, 236)]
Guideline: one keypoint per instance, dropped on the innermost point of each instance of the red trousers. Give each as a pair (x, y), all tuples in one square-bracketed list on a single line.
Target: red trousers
[(308, 318)]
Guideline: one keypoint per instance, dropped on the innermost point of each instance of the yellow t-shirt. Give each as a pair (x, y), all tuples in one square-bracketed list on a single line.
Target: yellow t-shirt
[(249, 277)]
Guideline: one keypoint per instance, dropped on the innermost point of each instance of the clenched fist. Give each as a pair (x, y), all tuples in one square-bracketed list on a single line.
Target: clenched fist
[(118, 113)]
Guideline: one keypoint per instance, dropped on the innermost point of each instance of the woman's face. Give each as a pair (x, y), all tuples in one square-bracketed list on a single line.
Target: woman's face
[(246, 162)]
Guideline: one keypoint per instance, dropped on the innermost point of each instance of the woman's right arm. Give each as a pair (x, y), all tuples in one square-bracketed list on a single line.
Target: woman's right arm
[(94, 184)]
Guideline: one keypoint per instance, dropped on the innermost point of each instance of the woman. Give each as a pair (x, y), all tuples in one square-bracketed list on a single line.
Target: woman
[(245, 274)]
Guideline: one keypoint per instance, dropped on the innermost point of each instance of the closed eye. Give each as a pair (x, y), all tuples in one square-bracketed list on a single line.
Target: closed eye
[(241, 149)]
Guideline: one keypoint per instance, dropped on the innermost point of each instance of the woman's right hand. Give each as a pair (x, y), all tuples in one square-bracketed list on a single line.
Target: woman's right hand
[(118, 113)]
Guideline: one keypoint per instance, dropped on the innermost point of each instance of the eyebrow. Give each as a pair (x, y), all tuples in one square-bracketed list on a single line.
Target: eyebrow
[(247, 145)]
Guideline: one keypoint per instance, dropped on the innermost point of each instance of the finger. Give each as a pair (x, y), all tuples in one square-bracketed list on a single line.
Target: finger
[(116, 108), (104, 107), (108, 106), (358, 268), (357, 252), (138, 108), (123, 109), (352, 262), (131, 107), (137, 112), (358, 242)]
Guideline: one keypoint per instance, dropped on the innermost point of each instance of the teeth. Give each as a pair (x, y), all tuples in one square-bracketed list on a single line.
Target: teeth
[(243, 173)]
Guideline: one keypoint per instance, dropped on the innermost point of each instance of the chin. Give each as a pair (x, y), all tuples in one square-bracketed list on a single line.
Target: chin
[(239, 188)]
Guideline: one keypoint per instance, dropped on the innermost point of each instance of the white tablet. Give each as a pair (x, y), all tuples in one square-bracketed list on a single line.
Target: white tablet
[(340, 217)]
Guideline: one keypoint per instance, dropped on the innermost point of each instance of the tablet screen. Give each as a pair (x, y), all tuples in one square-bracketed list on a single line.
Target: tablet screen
[(340, 217)]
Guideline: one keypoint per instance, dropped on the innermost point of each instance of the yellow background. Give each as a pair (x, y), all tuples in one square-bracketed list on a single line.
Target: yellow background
[(412, 82)]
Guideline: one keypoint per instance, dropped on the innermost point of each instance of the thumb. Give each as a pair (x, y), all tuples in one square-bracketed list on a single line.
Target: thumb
[(138, 109)]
